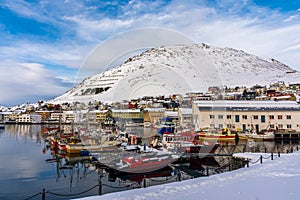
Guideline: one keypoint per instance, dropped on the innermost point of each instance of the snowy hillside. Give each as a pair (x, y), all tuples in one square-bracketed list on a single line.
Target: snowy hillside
[(3, 109), (180, 69)]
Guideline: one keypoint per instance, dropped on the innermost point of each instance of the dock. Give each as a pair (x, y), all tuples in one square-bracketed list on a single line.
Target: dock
[(286, 136)]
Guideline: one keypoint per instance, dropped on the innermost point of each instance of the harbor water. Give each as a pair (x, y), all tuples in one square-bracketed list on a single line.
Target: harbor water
[(28, 165)]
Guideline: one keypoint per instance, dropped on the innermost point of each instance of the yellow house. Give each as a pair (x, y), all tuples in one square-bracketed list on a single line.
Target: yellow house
[(135, 115)]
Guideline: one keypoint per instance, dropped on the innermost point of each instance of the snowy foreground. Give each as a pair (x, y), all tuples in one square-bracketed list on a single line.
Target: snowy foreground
[(273, 179)]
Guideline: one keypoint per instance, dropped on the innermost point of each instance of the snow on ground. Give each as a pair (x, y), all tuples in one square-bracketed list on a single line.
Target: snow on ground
[(273, 179)]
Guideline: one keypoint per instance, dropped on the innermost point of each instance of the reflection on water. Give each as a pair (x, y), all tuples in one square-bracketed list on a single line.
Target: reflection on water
[(28, 165)]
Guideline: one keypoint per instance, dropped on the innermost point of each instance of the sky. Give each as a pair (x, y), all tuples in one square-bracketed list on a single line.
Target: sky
[(44, 43)]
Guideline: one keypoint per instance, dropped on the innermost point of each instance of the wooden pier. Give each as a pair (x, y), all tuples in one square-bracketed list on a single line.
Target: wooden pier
[(286, 136)]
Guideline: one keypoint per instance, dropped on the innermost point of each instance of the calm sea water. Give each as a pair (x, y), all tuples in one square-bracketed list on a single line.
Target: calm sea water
[(24, 171)]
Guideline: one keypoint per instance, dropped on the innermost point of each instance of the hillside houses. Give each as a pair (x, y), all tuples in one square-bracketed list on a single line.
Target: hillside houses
[(259, 107)]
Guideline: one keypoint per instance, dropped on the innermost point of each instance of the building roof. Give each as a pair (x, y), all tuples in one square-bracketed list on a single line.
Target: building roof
[(126, 111), (186, 111), (247, 105)]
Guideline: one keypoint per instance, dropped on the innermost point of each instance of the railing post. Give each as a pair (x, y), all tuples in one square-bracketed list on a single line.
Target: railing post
[(261, 158), (292, 149), (100, 188), (248, 162), (179, 175), (43, 194), (207, 171), (278, 154), (144, 181), (272, 156)]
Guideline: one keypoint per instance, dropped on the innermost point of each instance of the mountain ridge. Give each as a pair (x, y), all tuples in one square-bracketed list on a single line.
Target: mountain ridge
[(180, 69)]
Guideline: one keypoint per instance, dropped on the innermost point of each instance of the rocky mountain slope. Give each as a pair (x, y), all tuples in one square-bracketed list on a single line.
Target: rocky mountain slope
[(180, 69)]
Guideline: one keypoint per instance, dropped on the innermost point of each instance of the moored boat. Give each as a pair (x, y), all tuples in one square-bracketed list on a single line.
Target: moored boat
[(223, 135), (166, 126), (264, 135), (186, 142), (77, 147), (142, 162)]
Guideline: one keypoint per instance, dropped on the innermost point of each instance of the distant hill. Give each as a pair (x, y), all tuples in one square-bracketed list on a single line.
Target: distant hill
[(180, 69), (3, 108)]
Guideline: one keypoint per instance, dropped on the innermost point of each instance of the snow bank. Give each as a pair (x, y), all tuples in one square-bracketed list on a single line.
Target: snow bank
[(273, 179)]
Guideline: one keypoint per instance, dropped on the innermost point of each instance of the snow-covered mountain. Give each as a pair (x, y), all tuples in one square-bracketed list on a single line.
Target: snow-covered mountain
[(180, 69), (3, 108)]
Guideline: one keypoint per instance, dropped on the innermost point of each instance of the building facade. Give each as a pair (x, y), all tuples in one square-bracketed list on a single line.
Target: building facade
[(29, 119), (247, 115)]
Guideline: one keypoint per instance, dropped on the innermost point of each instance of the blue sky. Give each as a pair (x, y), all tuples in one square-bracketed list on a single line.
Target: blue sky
[(44, 43)]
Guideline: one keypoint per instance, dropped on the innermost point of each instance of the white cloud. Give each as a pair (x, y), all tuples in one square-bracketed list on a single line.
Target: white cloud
[(291, 18), (23, 82), (61, 53), (90, 29)]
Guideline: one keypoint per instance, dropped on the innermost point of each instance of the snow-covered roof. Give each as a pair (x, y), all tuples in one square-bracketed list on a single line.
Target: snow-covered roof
[(186, 111), (126, 110), (171, 113), (155, 109), (248, 105)]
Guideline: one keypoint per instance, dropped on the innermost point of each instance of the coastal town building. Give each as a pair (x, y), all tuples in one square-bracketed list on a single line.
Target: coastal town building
[(126, 115), (98, 116), (153, 115), (29, 119), (247, 115), (64, 117), (185, 116)]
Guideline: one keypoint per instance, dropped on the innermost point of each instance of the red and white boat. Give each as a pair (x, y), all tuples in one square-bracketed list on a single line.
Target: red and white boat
[(186, 142)]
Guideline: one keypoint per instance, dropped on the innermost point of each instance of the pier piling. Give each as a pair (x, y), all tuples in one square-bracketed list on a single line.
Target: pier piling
[(272, 156), (43, 194)]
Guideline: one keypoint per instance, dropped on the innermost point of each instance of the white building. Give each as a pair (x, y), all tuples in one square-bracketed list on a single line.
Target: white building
[(30, 118), (185, 117), (65, 116), (247, 115)]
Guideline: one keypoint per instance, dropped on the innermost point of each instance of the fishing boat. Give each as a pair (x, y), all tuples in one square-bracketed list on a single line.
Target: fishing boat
[(222, 135), (143, 162), (166, 126), (186, 142), (136, 159), (263, 135), (97, 144)]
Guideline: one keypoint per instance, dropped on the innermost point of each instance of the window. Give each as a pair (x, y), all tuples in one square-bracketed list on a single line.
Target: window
[(229, 125), (211, 116), (279, 116), (212, 126), (272, 126), (220, 116), (289, 126), (271, 117), (244, 116), (237, 118), (263, 119), (280, 126), (220, 126), (288, 117), (228, 116), (255, 117)]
